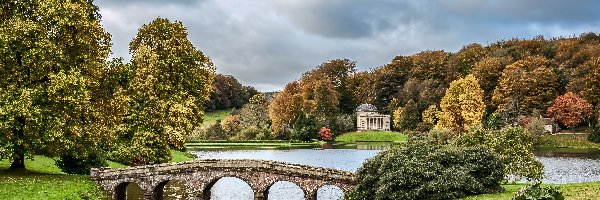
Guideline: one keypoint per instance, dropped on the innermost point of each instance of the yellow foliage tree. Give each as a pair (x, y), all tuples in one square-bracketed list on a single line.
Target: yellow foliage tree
[(429, 116), (462, 106)]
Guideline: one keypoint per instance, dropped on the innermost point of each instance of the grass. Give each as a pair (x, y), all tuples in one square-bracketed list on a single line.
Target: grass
[(43, 180), (568, 141), (371, 136), (575, 191), (211, 117)]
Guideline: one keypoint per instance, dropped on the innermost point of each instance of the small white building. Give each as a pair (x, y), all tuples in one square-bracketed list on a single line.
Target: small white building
[(367, 118), (550, 126)]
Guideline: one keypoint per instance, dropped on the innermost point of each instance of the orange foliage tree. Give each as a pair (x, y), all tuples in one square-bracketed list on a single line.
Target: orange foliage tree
[(570, 110)]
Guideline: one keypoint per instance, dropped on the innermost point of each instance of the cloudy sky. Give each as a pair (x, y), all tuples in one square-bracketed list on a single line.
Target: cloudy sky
[(268, 43)]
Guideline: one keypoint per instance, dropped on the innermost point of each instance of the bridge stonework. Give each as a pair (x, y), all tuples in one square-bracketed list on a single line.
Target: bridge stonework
[(198, 176)]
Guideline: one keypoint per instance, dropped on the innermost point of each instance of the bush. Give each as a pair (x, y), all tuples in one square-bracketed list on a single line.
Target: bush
[(343, 124), (441, 136), (513, 146), (305, 128), (214, 132), (594, 135), (535, 192), (253, 133), (422, 169), (73, 165), (325, 134), (231, 126)]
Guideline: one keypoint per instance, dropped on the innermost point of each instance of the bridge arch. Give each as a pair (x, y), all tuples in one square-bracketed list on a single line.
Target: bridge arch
[(329, 188), (207, 190), (158, 191), (294, 184), (123, 188)]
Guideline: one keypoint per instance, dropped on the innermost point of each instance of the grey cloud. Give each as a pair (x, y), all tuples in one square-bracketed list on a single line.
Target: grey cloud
[(268, 43)]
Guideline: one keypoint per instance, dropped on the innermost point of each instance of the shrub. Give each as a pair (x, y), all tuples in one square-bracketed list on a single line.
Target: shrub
[(214, 132), (73, 165), (535, 126), (305, 128), (441, 136), (594, 135), (422, 169), (253, 133), (231, 126), (343, 123), (535, 192), (325, 134), (513, 146)]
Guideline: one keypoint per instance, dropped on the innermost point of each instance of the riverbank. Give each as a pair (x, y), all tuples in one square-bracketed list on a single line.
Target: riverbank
[(574, 191), (43, 180), (372, 136)]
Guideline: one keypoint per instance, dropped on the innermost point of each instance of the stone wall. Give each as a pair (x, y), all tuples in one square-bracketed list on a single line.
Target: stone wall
[(198, 177)]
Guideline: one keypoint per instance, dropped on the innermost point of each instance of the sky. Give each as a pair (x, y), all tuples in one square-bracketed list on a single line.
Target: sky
[(268, 43)]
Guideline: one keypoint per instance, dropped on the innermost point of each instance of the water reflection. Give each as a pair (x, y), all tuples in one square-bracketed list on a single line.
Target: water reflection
[(285, 190), (230, 188), (330, 192)]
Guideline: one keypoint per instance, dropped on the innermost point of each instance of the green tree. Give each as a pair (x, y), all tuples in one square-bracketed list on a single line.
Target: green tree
[(172, 80), (462, 106), (52, 56)]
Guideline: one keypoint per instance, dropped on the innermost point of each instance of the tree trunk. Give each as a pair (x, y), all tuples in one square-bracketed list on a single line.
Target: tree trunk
[(18, 162)]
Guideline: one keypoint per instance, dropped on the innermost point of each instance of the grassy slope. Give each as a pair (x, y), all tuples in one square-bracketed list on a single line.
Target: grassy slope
[(371, 136), (576, 191), (570, 141), (43, 180), (212, 117)]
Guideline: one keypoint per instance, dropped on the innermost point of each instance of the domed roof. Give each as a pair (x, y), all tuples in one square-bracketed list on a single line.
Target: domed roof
[(366, 108)]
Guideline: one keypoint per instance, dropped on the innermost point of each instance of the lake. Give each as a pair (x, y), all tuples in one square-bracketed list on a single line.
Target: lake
[(565, 167)]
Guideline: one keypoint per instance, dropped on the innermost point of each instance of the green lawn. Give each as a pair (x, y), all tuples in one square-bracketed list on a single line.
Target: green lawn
[(43, 180), (211, 117), (576, 191), (371, 136), (568, 141)]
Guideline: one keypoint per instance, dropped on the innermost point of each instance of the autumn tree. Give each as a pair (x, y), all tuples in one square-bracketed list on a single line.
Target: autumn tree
[(591, 82), (386, 81), (462, 106), (429, 116), (431, 65), (466, 58), (285, 108), (407, 117), (227, 92), (488, 72), (52, 56), (172, 80), (570, 110), (529, 83)]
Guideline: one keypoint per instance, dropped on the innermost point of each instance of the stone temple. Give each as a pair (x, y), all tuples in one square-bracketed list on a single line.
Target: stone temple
[(367, 118)]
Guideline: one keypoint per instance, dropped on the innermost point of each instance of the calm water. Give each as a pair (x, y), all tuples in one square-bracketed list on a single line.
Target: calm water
[(572, 168)]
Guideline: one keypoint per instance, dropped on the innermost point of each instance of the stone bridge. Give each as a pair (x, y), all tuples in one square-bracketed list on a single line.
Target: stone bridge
[(199, 176)]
